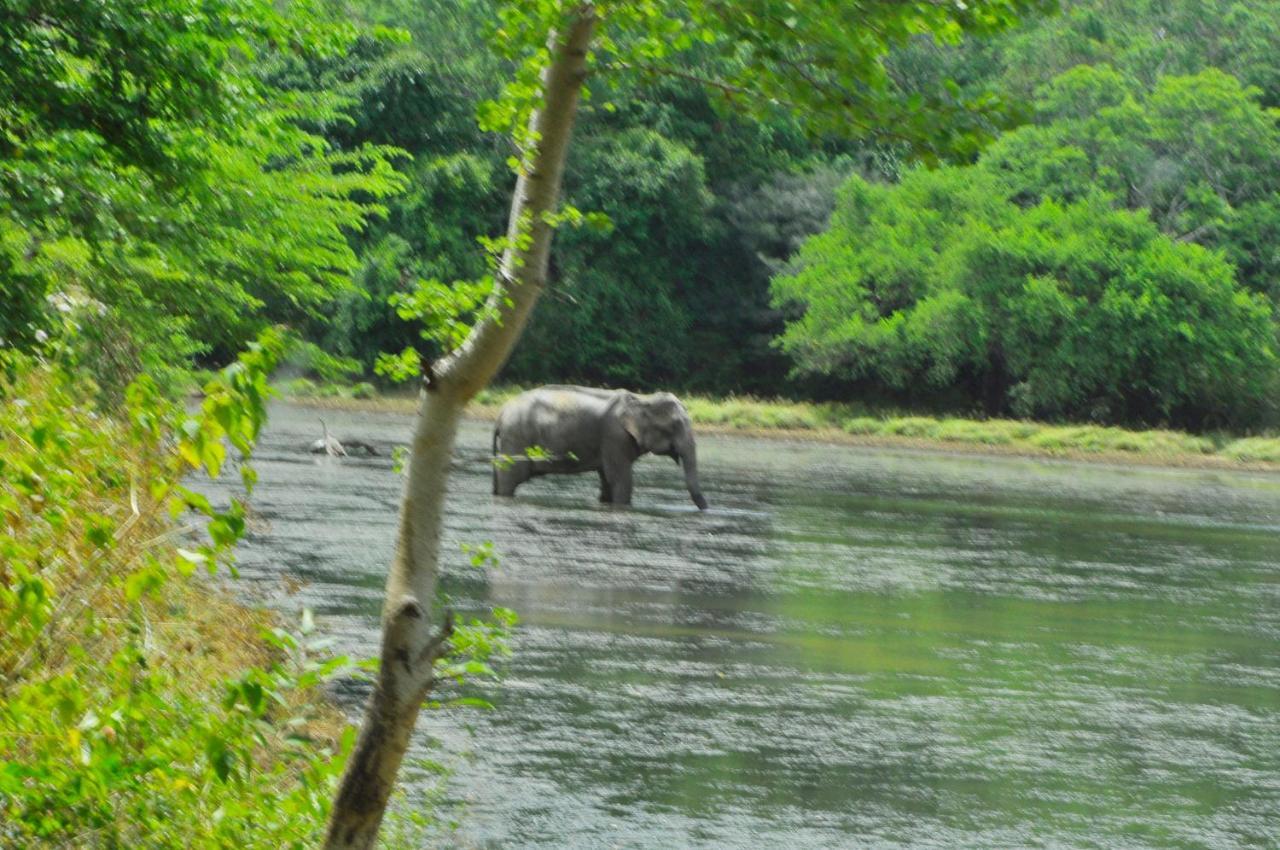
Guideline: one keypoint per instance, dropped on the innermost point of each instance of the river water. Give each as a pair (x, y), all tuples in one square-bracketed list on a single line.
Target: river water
[(852, 648)]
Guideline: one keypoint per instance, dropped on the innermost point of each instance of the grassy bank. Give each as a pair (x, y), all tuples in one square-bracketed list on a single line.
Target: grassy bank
[(856, 425), (140, 705)]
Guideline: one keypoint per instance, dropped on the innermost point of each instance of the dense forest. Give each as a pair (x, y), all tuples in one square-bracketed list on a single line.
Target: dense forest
[(1133, 184), (1140, 194)]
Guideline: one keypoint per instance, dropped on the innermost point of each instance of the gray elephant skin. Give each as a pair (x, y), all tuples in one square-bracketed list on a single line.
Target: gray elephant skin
[(579, 429)]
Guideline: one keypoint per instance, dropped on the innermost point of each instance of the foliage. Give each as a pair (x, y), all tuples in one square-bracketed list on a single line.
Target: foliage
[(690, 248), (115, 729), (137, 707), (823, 61), (411, 75), (430, 235), (1199, 153), (147, 165), (1145, 40), (619, 296), (1055, 311)]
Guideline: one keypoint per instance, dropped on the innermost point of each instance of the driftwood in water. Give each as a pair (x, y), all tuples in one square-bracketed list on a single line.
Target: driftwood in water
[(330, 445)]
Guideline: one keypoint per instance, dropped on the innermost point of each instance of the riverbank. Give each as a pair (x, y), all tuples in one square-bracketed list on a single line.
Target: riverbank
[(141, 703), (852, 425)]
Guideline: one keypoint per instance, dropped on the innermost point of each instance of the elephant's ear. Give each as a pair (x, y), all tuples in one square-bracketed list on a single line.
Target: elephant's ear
[(631, 417)]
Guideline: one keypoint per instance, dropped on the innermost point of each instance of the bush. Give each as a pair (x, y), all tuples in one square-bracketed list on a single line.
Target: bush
[(969, 431), (1254, 449), (127, 719), (1075, 311), (912, 426), (862, 425)]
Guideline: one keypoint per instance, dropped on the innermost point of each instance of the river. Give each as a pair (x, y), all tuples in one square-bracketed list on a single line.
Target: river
[(852, 648)]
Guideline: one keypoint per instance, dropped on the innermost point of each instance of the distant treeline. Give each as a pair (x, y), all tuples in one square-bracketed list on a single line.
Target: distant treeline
[(704, 205), (1113, 256), (1117, 259)]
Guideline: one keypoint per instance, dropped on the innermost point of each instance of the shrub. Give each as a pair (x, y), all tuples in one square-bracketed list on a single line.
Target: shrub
[(126, 717), (1254, 449), (1023, 281), (862, 425)]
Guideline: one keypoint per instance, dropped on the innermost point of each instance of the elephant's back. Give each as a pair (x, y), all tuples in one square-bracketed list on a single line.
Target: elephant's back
[(559, 419), (547, 403), (572, 390)]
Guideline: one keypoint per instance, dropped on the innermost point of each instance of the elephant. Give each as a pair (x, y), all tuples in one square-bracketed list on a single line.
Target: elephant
[(564, 429)]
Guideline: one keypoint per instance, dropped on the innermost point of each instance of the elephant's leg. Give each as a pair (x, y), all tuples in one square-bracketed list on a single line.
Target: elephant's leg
[(605, 489), (503, 483), (507, 476), (618, 474)]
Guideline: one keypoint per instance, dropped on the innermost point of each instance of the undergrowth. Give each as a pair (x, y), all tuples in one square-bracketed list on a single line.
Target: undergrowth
[(140, 706)]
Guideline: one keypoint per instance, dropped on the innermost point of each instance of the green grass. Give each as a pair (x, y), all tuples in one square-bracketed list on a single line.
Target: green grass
[(750, 414), (307, 388), (858, 423), (1009, 435), (1253, 449)]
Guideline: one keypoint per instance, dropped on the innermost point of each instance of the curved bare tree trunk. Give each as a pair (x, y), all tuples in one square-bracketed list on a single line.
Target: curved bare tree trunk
[(409, 647)]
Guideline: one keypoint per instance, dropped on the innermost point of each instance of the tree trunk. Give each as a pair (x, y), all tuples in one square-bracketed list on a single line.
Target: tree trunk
[(409, 649)]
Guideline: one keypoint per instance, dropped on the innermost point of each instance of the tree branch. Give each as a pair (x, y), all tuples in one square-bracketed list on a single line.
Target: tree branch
[(729, 89)]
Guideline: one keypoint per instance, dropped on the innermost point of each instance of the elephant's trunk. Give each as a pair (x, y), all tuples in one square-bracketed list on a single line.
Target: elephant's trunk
[(689, 460)]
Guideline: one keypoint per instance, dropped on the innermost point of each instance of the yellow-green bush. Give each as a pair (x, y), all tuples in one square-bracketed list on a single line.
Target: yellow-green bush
[(750, 413), (138, 708), (973, 431), (909, 426), (1252, 449)]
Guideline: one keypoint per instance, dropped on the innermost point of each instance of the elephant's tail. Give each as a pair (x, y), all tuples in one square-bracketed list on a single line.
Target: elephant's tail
[(493, 461)]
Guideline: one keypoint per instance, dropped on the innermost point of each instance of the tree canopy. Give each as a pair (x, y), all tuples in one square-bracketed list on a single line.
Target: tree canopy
[(1005, 285), (150, 170), (1058, 310)]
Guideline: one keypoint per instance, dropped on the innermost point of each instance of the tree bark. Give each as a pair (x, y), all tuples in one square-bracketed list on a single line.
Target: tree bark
[(409, 648)]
